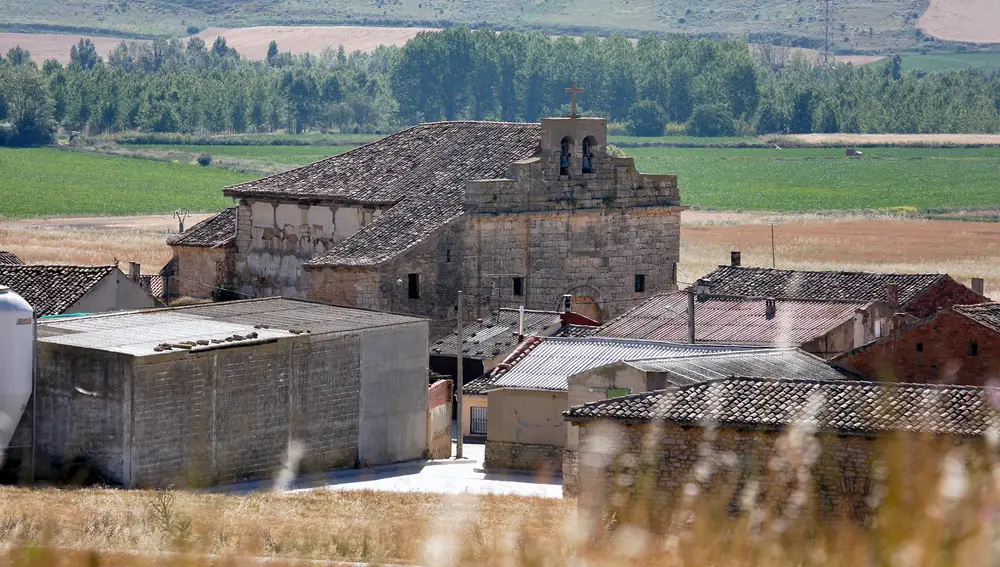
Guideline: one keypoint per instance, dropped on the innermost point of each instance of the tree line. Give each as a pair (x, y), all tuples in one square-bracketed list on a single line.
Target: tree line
[(697, 86)]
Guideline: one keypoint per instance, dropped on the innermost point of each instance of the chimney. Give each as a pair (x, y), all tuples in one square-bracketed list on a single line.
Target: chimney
[(133, 271), (567, 303), (520, 324), (977, 285), (770, 308), (690, 313), (892, 295), (897, 322), (734, 258)]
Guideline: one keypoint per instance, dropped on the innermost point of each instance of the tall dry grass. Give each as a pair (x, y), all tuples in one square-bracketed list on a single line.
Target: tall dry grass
[(68, 244)]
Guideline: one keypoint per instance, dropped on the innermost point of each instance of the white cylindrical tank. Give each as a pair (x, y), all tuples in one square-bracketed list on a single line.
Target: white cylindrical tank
[(16, 356)]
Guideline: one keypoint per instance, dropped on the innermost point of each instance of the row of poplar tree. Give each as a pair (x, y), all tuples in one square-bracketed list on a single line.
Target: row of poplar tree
[(700, 86)]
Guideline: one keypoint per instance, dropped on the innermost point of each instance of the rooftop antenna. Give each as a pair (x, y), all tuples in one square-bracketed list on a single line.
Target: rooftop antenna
[(181, 215)]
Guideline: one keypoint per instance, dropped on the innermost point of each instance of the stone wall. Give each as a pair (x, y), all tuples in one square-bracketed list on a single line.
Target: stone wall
[(201, 270), (622, 465), (500, 455), (935, 351), (439, 409)]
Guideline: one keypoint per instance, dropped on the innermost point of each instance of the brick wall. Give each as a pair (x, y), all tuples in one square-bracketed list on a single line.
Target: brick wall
[(934, 351), (439, 423), (621, 466), (945, 293)]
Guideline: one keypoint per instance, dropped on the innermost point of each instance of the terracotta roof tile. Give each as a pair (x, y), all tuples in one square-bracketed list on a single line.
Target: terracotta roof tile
[(9, 258), (801, 284), (212, 232), (51, 290), (846, 406), (985, 313)]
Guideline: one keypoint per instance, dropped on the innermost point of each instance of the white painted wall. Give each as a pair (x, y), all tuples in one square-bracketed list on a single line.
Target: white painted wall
[(113, 293)]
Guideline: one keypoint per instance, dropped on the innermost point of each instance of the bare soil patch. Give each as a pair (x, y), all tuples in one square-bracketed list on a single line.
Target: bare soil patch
[(962, 20), (56, 45), (896, 139), (860, 60), (253, 42)]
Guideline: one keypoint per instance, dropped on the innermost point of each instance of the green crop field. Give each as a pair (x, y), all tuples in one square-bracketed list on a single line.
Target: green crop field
[(40, 182), (290, 155), (823, 179), (951, 62)]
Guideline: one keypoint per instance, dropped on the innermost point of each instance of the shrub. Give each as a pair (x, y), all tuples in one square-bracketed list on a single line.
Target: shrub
[(205, 159), (193, 30), (647, 118), (711, 120)]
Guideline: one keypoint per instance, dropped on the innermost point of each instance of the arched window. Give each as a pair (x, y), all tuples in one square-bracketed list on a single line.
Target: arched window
[(589, 143), (565, 152)]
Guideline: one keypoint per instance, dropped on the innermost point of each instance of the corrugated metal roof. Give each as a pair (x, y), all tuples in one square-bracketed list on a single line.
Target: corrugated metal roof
[(553, 360), (764, 363), (731, 320), (139, 333), (487, 338)]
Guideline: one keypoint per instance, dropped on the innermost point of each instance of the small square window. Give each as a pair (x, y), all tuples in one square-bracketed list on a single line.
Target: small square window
[(920, 347), (640, 283), (414, 286), (518, 286), (973, 348)]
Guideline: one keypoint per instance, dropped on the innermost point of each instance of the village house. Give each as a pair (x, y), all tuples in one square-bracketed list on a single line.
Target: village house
[(919, 295), (487, 342), (202, 263), (58, 289), (223, 392), (720, 436), (958, 345), (824, 327), (629, 377), (512, 213), (527, 393)]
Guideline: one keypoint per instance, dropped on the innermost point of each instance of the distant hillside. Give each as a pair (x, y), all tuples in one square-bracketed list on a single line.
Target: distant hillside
[(861, 25)]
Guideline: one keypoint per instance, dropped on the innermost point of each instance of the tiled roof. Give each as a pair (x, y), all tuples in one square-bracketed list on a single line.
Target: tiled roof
[(767, 363), (490, 337), (209, 233), (845, 406), (985, 313), (51, 290), (9, 258), (730, 320), (549, 362), (421, 172), (263, 318), (800, 284)]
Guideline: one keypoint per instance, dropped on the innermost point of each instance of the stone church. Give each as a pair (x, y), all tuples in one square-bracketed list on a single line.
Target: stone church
[(510, 213)]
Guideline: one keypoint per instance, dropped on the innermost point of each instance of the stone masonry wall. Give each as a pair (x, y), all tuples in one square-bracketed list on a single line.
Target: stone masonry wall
[(228, 415), (944, 294), (502, 455), (620, 465), (936, 351), (200, 271)]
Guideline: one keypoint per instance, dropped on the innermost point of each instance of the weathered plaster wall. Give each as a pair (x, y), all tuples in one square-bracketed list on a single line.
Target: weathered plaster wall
[(393, 394), (469, 402), (593, 385), (526, 429)]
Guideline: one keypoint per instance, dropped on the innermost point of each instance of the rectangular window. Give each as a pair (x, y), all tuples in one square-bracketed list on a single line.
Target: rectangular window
[(618, 392), (640, 283), (518, 286), (447, 255), (920, 347), (973, 348), (414, 286), (478, 417)]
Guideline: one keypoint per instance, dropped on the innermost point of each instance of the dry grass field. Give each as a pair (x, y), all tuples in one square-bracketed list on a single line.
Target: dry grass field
[(252, 42), (962, 20), (56, 46)]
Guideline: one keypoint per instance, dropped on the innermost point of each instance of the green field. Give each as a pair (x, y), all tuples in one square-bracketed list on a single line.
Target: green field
[(42, 182), (951, 62), (823, 179), (291, 155)]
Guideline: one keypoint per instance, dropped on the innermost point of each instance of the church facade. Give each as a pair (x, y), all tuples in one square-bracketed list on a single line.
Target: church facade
[(510, 213)]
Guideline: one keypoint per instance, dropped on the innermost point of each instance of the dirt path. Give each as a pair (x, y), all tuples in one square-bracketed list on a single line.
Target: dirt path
[(253, 42)]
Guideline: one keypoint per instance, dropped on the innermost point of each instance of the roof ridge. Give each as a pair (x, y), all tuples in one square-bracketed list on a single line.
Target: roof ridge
[(849, 383), (852, 272)]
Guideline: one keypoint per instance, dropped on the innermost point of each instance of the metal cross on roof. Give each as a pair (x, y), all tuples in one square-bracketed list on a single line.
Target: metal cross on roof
[(572, 107)]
